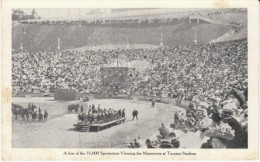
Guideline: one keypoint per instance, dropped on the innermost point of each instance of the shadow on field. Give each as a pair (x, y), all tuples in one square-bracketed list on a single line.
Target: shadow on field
[(72, 129)]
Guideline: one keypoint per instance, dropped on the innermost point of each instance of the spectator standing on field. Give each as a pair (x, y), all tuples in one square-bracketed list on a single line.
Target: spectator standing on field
[(135, 114)]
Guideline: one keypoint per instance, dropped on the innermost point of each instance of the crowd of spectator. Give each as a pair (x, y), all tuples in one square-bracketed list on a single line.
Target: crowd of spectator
[(212, 76), (108, 21), (223, 124), (218, 106), (209, 70)]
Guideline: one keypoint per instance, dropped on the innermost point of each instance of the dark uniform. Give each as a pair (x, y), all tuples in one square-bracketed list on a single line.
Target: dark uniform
[(123, 113), (153, 102), (45, 115), (135, 114)]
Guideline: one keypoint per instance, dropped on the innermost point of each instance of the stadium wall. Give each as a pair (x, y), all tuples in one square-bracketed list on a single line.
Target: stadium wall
[(166, 100), (34, 95), (65, 94), (126, 97)]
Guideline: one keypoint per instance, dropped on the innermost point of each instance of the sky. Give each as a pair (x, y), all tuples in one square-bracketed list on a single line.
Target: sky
[(57, 12), (65, 12)]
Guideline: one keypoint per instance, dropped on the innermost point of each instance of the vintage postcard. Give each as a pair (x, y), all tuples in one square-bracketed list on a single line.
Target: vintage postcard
[(130, 80)]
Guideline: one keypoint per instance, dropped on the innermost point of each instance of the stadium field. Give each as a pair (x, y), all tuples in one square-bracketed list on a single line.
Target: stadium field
[(58, 131)]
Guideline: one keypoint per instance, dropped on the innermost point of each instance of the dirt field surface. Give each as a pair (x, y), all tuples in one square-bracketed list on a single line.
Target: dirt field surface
[(58, 131)]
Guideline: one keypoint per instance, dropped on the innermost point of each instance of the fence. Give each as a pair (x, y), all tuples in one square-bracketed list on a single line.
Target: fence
[(64, 94), (67, 94), (33, 95)]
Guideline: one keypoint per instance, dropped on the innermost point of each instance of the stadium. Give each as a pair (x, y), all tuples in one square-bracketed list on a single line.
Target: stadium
[(130, 78)]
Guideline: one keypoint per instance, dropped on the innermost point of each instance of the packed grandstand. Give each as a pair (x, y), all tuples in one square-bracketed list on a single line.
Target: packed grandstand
[(211, 76), (205, 69)]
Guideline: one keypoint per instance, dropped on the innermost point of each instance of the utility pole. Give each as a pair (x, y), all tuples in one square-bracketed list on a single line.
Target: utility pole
[(79, 18), (79, 13), (20, 15), (161, 44), (93, 42), (127, 43), (195, 40), (58, 48), (21, 47)]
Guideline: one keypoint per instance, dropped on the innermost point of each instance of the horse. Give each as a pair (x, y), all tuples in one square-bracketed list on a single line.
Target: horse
[(74, 107), (34, 115), (18, 110), (27, 114)]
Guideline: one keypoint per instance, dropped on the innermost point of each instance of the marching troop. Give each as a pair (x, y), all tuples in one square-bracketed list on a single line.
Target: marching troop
[(99, 115)]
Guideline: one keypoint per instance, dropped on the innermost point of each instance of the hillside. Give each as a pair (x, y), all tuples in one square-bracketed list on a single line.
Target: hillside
[(44, 37), (232, 35)]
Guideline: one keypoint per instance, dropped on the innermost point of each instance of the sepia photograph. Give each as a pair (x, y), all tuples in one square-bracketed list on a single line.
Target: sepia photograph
[(129, 78), (172, 82)]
